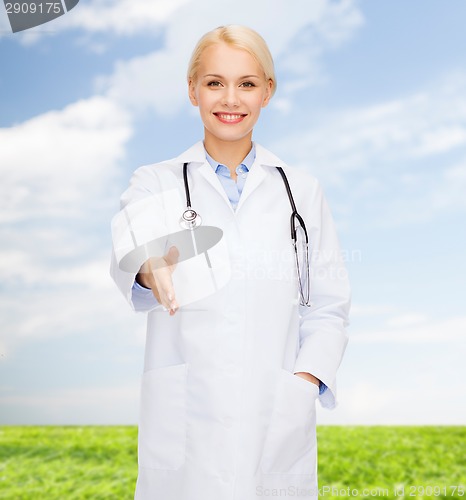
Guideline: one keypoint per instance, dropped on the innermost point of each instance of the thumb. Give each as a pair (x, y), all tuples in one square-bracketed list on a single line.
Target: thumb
[(172, 256)]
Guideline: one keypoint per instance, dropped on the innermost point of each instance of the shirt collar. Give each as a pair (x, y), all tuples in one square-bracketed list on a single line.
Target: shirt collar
[(247, 162)]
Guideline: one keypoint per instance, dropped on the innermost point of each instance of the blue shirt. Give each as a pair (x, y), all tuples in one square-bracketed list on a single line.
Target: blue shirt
[(233, 189)]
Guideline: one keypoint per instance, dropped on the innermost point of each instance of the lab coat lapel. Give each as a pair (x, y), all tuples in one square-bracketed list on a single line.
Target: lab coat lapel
[(263, 162), (255, 177), (196, 156), (211, 177)]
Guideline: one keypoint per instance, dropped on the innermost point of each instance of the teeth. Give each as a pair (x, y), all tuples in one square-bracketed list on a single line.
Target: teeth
[(230, 117)]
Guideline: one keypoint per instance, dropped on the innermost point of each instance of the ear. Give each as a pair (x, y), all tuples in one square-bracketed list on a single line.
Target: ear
[(268, 93), (192, 92)]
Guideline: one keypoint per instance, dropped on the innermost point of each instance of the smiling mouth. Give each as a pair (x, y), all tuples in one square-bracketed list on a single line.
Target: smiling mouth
[(229, 117)]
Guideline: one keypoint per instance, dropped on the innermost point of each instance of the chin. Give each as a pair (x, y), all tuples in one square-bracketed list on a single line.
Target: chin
[(231, 137)]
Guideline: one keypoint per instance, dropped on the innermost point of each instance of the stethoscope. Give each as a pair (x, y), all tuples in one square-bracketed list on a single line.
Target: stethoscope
[(191, 220)]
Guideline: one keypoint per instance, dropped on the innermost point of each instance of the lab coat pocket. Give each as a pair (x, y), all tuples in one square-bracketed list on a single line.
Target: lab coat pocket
[(290, 443), (162, 423)]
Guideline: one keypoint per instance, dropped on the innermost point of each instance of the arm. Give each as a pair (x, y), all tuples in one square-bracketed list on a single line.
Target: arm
[(323, 336), (143, 185), (141, 299), (155, 275)]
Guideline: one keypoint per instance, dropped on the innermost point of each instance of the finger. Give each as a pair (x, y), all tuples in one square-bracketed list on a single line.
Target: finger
[(163, 282), (161, 276), (172, 299)]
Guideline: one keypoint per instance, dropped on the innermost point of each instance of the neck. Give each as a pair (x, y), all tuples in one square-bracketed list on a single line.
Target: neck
[(228, 153)]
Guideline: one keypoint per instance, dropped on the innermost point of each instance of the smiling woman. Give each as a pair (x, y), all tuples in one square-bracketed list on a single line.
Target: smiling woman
[(230, 86), (231, 376)]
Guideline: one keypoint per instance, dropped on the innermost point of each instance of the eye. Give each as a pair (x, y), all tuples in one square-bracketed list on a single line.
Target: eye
[(214, 83), (248, 84)]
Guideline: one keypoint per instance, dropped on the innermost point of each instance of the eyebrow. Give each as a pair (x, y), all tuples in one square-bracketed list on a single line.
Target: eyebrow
[(220, 76)]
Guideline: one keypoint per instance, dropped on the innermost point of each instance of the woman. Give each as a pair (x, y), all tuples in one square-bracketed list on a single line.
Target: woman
[(231, 374)]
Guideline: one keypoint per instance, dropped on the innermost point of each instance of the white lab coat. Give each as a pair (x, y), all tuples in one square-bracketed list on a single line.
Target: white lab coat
[(222, 415)]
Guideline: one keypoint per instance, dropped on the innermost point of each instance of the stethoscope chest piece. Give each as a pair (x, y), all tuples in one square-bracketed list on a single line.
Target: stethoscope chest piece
[(190, 219)]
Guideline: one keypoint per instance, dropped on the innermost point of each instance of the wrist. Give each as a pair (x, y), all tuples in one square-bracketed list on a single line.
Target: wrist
[(309, 377), (141, 281)]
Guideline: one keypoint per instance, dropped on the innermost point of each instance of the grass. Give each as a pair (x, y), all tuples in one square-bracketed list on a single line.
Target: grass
[(64, 463), (428, 462), (71, 463)]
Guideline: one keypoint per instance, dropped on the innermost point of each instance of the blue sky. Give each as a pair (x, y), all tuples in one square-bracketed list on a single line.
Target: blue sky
[(371, 99)]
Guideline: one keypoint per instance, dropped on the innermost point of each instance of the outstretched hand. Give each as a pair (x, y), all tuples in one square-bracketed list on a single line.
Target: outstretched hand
[(156, 274)]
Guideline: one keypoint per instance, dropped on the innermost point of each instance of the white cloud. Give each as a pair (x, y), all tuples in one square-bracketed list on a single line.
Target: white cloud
[(59, 173), (317, 25), (371, 137), (16, 262), (442, 139), (157, 80), (401, 161), (331, 22), (56, 162), (416, 328), (4, 24), (414, 401), (364, 310), (407, 320), (35, 268), (364, 399), (77, 300), (118, 17), (340, 21), (393, 383), (451, 189), (75, 406), (121, 17)]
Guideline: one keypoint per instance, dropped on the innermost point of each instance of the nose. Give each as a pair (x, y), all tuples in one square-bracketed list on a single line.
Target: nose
[(230, 96)]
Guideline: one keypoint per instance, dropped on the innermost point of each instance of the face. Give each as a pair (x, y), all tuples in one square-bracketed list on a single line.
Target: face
[(230, 91)]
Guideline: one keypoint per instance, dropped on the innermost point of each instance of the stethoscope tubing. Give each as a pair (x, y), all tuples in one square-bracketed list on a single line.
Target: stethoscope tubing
[(191, 219)]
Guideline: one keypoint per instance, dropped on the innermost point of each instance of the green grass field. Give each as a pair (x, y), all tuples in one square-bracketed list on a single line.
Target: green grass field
[(358, 462)]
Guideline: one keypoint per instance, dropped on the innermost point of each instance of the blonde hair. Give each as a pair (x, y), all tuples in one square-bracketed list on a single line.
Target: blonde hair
[(240, 37)]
